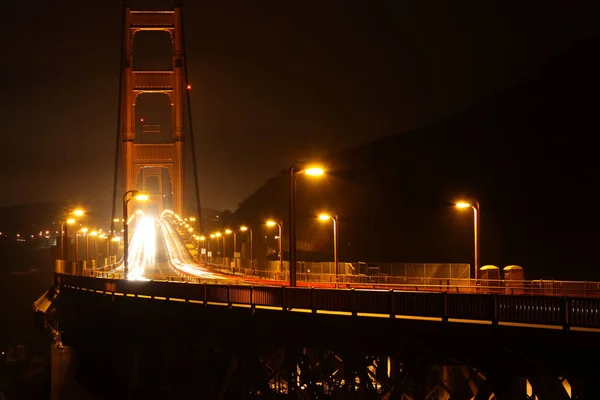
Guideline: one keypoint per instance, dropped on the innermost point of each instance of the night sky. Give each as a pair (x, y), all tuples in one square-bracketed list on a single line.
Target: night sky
[(272, 82)]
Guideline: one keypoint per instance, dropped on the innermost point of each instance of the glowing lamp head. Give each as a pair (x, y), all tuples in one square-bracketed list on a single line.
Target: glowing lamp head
[(192, 219), (228, 231), (191, 230), (314, 171), (212, 235), (218, 234), (78, 212), (243, 228), (324, 217), (84, 230), (463, 204), (116, 239), (141, 196), (93, 233), (201, 238), (189, 87), (70, 221), (271, 223)]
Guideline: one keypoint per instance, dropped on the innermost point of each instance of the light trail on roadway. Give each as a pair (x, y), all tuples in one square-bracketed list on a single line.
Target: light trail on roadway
[(156, 251)]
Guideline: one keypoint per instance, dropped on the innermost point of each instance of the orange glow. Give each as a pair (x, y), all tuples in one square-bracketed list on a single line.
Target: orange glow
[(189, 87), (243, 228), (324, 217), (314, 171), (141, 196), (271, 223), (463, 204)]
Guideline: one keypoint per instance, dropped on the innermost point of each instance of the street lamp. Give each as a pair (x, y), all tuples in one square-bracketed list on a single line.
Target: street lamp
[(334, 218), (140, 196), (475, 206), (82, 230), (115, 239), (230, 232), (217, 236), (64, 248), (271, 223), (312, 171), (93, 234), (68, 219), (198, 240), (212, 236), (244, 229)]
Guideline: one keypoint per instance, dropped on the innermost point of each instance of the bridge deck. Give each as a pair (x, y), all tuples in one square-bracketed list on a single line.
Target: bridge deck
[(545, 312)]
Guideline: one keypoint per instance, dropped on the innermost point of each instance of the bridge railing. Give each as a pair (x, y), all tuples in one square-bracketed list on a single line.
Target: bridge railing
[(537, 287), (580, 289), (550, 312)]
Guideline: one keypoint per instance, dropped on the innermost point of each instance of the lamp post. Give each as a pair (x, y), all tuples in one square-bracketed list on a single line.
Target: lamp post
[(64, 236), (68, 219), (115, 239), (87, 246), (212, 236), (135, 194), (230, 232), (244, 229), (106, 242), (475, 206), (94, 234), (77, 243), (279, 241), (217, 236), (199, 239), (294, 172), (334, 218)]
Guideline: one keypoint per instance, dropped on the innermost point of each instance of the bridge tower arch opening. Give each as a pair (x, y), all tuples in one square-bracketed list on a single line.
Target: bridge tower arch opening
[(152, 145), (156, 181)]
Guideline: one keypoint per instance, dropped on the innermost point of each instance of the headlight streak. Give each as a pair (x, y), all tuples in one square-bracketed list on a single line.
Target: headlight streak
[(142, 248), (179, 256)]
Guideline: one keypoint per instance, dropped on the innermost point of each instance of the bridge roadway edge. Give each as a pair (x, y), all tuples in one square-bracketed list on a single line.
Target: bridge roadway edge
[(103, 328)]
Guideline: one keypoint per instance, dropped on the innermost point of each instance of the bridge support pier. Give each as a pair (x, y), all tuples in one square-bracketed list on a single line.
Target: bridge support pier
[(62, 374)]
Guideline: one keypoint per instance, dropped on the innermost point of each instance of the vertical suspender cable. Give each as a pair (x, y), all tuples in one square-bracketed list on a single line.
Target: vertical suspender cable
[(189, 111), (118, 136)]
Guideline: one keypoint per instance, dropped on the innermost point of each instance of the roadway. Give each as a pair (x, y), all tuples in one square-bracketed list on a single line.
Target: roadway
[(156, 252)]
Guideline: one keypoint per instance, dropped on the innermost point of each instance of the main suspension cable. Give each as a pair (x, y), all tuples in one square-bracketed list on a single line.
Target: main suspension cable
[(118, 135), (189, 111)]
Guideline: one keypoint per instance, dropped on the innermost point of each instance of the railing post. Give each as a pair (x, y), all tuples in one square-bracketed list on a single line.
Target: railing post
[(495, 310), (392, 304), (566, 314), (229, 296), (205, 297), (353, 299), (445, 307), (312, 300), (252, 305), (283, 308)]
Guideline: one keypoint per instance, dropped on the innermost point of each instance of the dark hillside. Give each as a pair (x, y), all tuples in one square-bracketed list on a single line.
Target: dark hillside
[(527, 154)]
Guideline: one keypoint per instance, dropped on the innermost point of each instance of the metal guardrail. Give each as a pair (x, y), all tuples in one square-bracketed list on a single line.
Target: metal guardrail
[(536, 287), (551, 312)]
